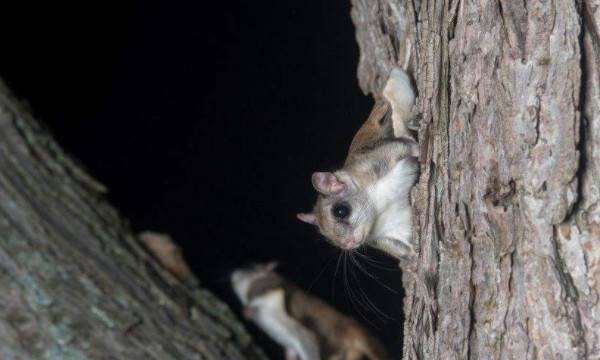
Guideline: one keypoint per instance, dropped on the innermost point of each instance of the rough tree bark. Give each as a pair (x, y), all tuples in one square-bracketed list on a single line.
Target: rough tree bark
[(507, 206), (75, 283), (508, 202)]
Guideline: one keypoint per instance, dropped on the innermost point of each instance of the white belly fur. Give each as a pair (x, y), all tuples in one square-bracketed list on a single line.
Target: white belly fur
[(390, 198), (272, 318)]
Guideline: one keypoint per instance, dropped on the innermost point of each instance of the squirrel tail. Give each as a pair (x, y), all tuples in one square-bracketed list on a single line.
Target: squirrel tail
[(398, 91)]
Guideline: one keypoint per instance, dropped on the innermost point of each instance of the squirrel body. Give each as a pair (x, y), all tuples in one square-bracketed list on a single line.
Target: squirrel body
[(366, 202), (306, 326)]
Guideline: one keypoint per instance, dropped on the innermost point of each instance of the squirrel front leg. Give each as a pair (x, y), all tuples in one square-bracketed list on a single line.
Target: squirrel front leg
[(399, 93)]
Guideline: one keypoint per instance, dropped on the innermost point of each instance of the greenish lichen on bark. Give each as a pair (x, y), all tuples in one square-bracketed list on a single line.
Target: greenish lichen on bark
[(76, 283)]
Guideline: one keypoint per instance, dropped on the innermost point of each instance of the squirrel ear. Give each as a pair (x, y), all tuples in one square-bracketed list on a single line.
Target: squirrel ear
[(307, 218), (327, 184), (249, 312), (272, 265)]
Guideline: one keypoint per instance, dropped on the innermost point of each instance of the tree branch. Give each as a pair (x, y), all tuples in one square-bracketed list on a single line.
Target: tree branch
[(76, 283)]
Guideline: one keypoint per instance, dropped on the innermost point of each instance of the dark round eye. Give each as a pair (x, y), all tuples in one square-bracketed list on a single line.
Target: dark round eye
[(341, 210)]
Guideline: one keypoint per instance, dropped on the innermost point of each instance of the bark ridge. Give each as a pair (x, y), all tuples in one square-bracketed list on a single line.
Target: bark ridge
[(507, 208), (76, 284)]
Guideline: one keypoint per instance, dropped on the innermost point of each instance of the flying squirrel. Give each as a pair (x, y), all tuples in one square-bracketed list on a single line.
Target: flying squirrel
[(305, 326), (366, 202)]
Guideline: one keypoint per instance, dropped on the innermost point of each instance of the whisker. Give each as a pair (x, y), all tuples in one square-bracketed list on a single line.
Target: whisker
[(361, 268), (353, 297), (320, 274), (374, 262), (368, 301), (337, 266), (369, 306)]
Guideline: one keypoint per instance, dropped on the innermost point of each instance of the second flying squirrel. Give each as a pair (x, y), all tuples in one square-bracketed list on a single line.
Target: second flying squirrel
[(366, 202), (308, 328)]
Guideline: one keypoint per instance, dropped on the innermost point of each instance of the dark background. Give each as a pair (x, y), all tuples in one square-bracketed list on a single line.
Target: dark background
[(206, 122)]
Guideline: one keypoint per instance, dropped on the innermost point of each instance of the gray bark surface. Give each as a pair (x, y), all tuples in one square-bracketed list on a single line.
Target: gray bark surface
[(75, 283), (507, 208)]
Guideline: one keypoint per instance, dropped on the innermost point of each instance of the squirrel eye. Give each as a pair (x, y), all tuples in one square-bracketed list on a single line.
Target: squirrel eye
[(341, 210)]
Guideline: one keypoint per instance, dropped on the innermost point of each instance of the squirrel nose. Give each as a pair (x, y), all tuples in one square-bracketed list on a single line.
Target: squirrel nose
[(349, 243)]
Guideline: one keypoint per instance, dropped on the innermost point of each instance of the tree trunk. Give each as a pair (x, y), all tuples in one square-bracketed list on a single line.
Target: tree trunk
[(75, 282), (507, 208)]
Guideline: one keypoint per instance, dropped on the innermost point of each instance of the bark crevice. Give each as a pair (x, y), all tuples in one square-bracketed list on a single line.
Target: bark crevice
[(508, 198)]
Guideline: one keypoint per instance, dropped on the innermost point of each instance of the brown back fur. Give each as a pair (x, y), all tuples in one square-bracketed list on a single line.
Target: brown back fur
[(339, 336), (376, 128)]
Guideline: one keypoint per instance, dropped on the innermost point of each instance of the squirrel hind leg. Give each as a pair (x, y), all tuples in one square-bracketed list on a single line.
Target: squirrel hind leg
[(399, 93)]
